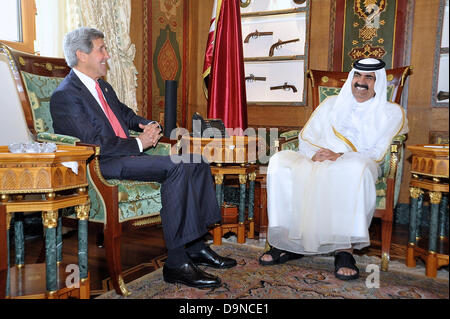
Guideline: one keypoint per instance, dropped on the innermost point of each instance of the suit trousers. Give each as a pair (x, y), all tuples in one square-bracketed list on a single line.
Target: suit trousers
[(189, 204)]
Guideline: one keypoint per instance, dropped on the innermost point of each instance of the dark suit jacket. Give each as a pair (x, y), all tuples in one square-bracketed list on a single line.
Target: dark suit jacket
[(75, 112), (187, 191)]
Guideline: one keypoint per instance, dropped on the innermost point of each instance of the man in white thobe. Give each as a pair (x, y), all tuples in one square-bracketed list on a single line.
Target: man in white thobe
[(321, 199)]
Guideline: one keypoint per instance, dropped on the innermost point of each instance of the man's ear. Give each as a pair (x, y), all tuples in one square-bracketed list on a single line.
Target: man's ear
[(81, 56)]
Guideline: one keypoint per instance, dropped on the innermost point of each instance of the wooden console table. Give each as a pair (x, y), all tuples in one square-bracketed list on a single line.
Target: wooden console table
[(31, 182), (236, 156), (429, 171)]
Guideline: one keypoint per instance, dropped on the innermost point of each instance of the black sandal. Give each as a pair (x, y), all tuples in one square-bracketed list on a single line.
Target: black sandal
[(344, 259), (278, 257)]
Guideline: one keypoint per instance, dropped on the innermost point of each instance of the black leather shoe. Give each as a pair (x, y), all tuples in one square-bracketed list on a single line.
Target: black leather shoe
[(208, 257), (190, 275)]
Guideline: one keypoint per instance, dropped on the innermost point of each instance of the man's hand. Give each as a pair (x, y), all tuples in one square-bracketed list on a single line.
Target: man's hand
[(325, 154), (150, 136)]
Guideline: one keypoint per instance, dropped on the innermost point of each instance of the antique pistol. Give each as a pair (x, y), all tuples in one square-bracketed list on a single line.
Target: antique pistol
[(255, 35), (285, 87), (442, 95), (279, 44), (252, 78)]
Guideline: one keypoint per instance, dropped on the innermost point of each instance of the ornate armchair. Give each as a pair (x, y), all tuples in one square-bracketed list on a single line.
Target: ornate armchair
[(113, 202), (327, 83)]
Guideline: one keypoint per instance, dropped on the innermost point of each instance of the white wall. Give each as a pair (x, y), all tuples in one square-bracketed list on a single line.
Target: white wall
[(50, 27)]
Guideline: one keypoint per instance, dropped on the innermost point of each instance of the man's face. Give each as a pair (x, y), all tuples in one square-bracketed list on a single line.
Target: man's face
[(94, 63), (363, 86)]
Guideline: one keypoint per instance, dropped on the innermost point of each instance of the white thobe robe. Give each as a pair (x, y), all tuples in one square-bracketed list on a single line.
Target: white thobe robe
[(320, 207)]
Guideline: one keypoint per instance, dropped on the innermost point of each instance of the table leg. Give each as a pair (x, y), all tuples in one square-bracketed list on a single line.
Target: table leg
[(59, 243), (419, 215), (435, 199), (217, 235), (4, 252), (242, 190), (50, 221), (431, 265), (217, 231), (415, 193), (19, 242), (443, 215), (83, 216), (219, 185), (251, 205)]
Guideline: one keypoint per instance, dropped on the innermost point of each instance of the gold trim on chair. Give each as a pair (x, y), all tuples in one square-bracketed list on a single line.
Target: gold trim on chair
[(405, 74)]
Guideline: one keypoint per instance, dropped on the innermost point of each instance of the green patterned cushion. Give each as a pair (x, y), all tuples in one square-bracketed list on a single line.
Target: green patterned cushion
[(291, 145), (40, 90), (326, 91), (137, 199)]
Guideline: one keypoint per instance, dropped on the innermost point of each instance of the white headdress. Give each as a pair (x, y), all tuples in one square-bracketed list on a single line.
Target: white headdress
[(373, 115)]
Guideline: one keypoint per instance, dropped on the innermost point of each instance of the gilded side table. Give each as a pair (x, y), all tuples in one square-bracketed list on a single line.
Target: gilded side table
[(244, 172), (429, 171), (33, 182), (234, 155)]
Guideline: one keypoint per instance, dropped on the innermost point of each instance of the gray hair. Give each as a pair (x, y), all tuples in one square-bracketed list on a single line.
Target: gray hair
[(79, 39)]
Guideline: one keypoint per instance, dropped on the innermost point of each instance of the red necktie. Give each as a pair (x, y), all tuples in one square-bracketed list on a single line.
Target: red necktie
[(110, 114)]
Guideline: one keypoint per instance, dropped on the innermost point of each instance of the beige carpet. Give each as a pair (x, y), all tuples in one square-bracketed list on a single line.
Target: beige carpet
[(308, 278)]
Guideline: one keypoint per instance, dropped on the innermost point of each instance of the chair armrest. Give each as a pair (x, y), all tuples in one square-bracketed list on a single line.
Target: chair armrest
[(290, 134), (160, 149), (396, 150), (57, 138), (392, 171)]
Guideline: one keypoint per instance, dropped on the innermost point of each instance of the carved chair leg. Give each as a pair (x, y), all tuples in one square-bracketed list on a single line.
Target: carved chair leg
[(112, 250), (386, 236)]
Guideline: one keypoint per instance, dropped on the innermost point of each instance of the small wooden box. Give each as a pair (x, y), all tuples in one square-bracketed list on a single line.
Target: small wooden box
[(229, 214)]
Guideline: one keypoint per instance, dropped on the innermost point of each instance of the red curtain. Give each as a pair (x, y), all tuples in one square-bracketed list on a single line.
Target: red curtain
[(226, 83)]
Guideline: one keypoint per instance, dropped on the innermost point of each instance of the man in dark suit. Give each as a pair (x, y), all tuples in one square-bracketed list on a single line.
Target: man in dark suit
[(87, 107)]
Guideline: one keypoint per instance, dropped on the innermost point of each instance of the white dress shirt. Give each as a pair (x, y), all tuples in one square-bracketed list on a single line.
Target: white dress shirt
[(90, 85)]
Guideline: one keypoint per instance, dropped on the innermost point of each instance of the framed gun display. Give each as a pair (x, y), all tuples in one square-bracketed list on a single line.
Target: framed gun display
[(275, 43), (284, 84)]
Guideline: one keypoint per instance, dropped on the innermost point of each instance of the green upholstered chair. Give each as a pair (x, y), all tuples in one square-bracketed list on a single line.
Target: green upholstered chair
[(327, 83), (113, 202)]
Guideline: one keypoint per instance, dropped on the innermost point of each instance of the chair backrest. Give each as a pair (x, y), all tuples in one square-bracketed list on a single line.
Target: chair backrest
[(36, 77), (327, 83)]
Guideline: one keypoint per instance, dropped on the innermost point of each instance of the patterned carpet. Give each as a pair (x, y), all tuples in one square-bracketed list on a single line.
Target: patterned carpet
[(308, 278)]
